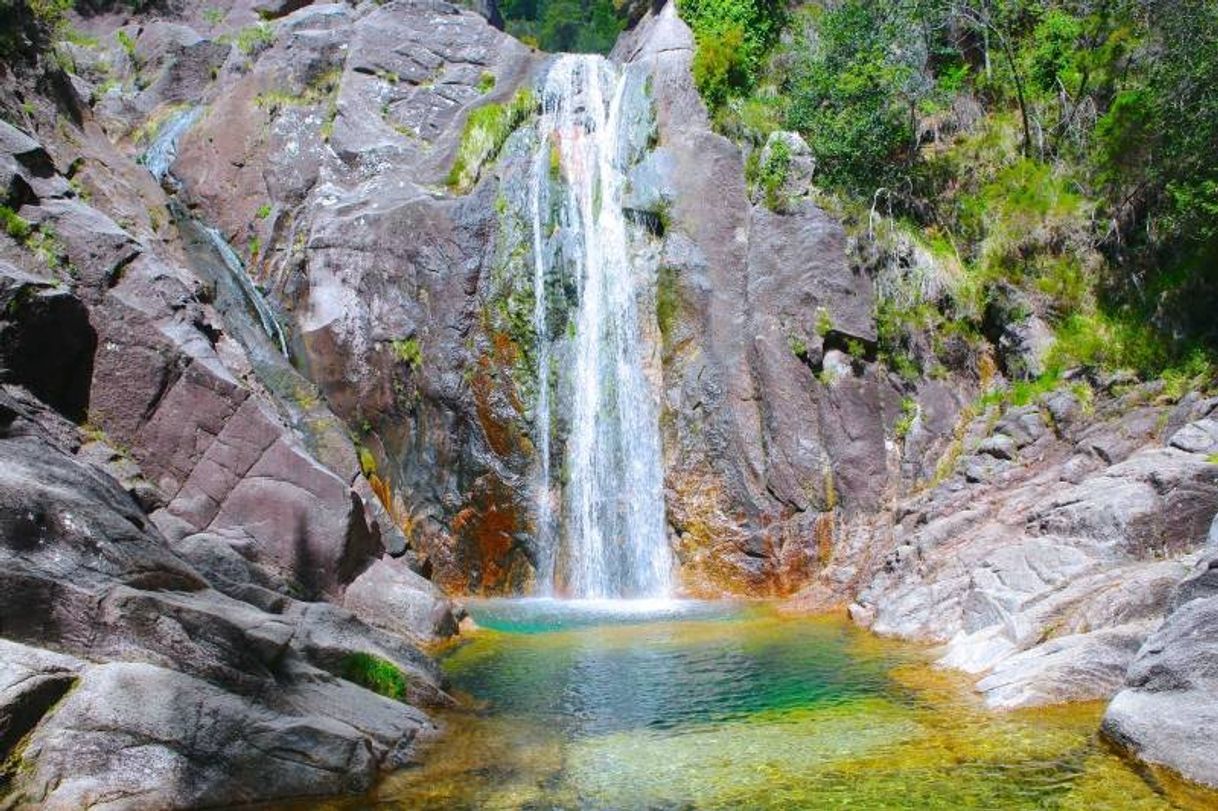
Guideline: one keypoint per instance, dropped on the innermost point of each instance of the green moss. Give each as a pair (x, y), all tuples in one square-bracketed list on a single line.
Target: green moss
[(667, 300), (1212, 458), (264, 211), (376, 674), (486, 82), (255, 248), (367, 461), (486, 130), (409, 351)]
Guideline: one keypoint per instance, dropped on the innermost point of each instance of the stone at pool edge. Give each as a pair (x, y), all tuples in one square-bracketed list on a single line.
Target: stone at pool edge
[(1167, 714)]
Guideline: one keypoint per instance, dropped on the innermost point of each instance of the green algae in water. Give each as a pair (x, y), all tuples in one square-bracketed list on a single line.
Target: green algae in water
[(728, 707)]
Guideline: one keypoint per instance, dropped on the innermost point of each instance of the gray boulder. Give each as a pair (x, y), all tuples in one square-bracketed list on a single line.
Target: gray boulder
[(1167, 713)]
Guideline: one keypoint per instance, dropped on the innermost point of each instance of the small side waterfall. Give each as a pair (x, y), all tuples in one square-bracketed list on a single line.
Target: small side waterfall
[(613, 541), (163, 150), (158, 159)]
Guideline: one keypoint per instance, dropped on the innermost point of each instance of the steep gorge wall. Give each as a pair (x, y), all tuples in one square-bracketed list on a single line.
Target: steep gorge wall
[(409, 293)]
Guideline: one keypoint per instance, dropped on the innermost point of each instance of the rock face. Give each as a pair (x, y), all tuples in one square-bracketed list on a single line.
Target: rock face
[(166, 690), (1167, 713), (1050, 550), (337, 136), (174, 496)]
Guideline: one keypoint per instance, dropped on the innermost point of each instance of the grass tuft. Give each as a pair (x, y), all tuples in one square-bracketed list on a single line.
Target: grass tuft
[(376, 674)]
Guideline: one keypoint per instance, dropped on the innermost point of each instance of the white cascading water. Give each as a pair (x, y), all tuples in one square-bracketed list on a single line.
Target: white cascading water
[(613, 542), (158, 159)]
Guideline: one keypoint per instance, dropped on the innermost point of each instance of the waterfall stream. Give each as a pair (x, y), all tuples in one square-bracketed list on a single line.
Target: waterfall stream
[(613, 541), (158, 159)]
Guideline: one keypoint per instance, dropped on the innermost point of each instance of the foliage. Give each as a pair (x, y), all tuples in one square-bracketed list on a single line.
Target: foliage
[(128, 44), (409, 351), (252, 38), (1051, 152), (799, 347), (264, 211), (773, 174), (376, 674), (486, 130), (28, 26), (733, 39), (40, 240), (909, 413), (574, 26), (853, 84), (14, 224)]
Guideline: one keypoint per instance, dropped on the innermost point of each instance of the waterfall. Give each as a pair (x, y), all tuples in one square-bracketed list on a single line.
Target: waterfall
[(613, 541), (236, 269), (163, 150), (544, 513), (157, 159)]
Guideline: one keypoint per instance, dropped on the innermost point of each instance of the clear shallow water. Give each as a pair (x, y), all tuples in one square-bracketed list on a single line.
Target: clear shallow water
[(659, 705)]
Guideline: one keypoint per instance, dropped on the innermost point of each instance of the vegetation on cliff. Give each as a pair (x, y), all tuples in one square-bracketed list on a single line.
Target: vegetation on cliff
[(574, 26), (1019, 160)]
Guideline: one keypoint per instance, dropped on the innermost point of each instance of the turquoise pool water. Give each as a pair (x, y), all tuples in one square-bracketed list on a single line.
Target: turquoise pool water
[(722, 706)]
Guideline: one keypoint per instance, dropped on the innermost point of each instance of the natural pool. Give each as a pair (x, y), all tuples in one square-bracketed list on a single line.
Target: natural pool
[(721, 706)]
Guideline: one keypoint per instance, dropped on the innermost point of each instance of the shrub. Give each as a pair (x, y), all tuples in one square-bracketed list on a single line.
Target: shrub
[(909, 413), (733, 38), (774, 174)]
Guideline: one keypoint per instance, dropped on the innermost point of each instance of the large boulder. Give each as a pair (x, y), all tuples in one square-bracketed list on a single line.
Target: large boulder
[(391, 596), (127, 678), (1040, 563), (46, 341), (1167, 713)]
